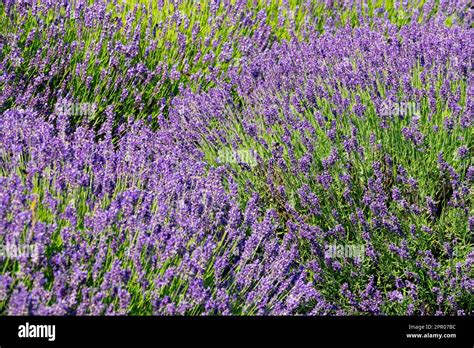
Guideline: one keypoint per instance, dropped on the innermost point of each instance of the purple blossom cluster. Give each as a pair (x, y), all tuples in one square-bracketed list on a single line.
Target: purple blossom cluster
[(135, 239), (312, 111)]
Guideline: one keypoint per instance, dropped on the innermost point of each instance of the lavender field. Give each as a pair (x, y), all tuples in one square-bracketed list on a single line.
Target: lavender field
[(236, 157)]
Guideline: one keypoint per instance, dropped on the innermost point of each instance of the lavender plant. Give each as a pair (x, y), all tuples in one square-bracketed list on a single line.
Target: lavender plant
[(342, 161), (138, 55)]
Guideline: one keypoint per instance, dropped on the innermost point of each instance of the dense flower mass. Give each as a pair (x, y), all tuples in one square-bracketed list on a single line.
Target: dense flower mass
[(236, 157)]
